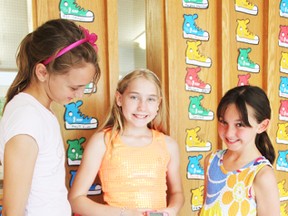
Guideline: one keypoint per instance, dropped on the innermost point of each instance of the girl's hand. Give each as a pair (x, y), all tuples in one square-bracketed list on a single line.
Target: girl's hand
[(169, 211), (132, 212)]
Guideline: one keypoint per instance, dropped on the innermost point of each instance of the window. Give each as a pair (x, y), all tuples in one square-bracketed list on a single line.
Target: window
[(131, 27), (16, 22)]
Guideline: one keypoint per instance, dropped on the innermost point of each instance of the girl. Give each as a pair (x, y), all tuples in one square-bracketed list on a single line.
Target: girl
[(132, 155), (240, 180), (55, 63)]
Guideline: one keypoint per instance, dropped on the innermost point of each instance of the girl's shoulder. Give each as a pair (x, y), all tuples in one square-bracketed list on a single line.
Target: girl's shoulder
[(165, 140), (214, 155), (265, 178), (169, 139), (98, 137), (96, 142), (107, 134), (262, 160), (217, 153)]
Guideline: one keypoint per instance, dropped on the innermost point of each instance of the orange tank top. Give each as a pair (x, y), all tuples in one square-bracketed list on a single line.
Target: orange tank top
[(135, 177)]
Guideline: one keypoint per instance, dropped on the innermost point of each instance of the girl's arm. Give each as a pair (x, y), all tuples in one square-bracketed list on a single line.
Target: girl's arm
[(266, 192), (86, 174), (19, 161), (175, 190)]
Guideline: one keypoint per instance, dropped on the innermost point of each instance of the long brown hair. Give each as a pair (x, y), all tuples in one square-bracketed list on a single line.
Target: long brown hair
[(47, 40)]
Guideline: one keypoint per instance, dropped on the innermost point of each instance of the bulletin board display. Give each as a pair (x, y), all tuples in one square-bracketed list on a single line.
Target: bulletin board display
[(212, 47)]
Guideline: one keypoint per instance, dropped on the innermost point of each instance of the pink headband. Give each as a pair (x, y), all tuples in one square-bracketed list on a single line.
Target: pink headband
[(90, 38)]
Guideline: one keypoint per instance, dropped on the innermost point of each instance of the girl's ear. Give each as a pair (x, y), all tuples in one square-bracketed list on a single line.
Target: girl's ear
[(118, 97), (41, 72), (263, 126)]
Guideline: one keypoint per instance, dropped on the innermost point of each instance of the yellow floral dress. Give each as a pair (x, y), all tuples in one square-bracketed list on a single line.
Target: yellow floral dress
[(229, 193)]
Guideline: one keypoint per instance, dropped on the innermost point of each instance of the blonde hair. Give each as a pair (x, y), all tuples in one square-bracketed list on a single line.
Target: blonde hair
[(115, 118)]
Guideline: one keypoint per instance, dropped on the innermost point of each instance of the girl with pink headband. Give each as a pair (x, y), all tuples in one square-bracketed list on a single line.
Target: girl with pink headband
[(55, 63)]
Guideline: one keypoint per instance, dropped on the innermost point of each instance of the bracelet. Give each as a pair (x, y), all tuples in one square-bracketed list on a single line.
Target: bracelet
[(123, 209)]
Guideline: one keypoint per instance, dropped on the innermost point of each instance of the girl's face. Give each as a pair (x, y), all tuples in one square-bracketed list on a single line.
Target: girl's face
[(139, 102), (63, 88), (233, 132)]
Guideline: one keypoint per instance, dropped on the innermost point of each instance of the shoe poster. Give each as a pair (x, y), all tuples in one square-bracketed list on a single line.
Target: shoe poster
[(244, 7), (196, 111), (75, 151), (283, 192), (243, 34), (283, 110), (194, 142), (284, 61), (283, 8), (195, 4), (283, 209), (95, 189), (194, 56), (90, 88), (283, 90), (244, 63), (197, 197), (74, 119), (282, 161), (283, 36), (243, 79), (191, 30), (194, 83), (194, 167), (69, 9)]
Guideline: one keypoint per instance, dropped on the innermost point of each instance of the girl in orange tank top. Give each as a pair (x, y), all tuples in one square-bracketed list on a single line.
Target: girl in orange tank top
[(136, 162)]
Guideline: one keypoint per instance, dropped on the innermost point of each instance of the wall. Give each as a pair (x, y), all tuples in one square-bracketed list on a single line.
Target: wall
[(217, 68)]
